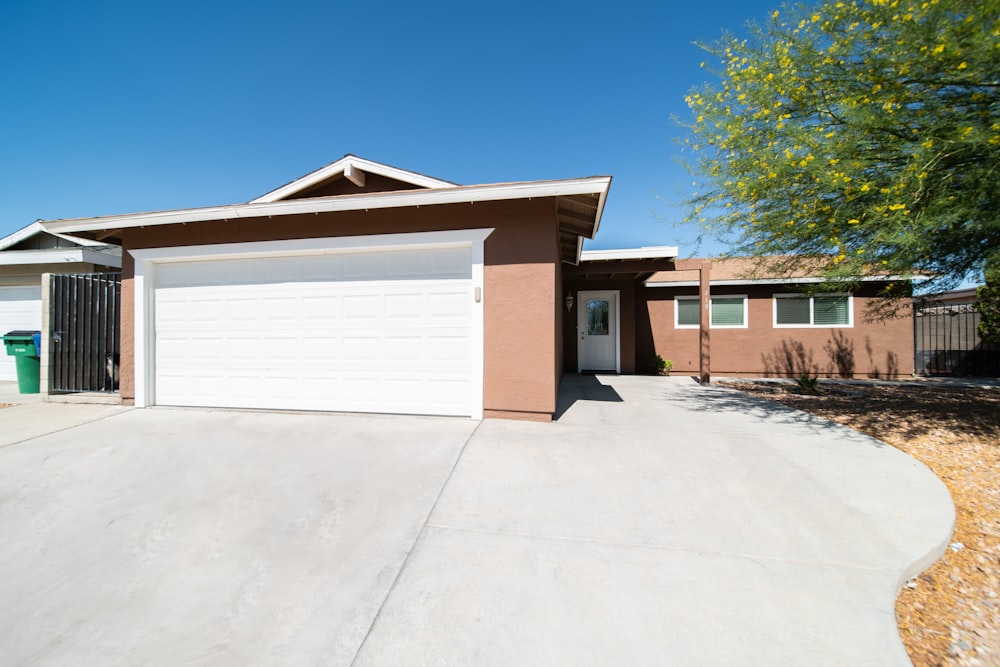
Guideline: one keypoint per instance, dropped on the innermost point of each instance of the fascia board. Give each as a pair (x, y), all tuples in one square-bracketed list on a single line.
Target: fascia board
[(773, 281), (102, 258), (59, 256), (400, 199), (37, 228), (653, 252), (20, 235), (90, 243), (338, 167)]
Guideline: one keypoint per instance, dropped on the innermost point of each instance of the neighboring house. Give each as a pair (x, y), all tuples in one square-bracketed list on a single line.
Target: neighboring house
[(765, 325), (966, 295), (364, 287), (24, 256), (948, 342)]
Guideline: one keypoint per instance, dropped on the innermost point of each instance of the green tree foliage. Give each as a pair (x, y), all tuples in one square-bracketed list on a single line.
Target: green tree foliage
[(864, 132)]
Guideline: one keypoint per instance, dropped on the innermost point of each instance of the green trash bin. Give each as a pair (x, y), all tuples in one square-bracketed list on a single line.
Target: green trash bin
[(25, 347)]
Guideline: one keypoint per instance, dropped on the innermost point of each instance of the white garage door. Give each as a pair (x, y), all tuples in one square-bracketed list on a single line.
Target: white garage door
[(20, 310), (385, 331)]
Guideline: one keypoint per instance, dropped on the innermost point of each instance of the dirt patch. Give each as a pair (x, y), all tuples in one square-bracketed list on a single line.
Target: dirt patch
[(950, 613)]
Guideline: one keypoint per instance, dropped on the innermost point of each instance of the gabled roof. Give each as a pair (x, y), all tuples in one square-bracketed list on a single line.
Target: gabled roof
[(354, 169), (82, 250), (36, 228)]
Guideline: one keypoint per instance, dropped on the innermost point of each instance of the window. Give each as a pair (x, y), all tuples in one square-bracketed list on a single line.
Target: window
[(821, 310), (727, 311), (687, 312), (597, 317)]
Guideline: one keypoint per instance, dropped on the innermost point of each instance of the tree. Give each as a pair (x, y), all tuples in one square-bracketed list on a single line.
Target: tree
[(862, 133)]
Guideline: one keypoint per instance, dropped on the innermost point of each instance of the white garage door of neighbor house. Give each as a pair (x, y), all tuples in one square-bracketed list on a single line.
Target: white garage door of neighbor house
[(20, 310), (362, 331)]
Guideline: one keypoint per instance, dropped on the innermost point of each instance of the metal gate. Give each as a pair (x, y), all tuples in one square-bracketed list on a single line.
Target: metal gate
[(85, 311), (946, 342)]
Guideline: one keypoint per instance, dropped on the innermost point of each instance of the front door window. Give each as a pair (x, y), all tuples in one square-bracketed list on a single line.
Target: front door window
[(597, 317)]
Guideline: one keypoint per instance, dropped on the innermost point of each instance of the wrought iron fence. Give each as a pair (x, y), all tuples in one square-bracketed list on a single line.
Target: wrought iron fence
[(85, 311), (947, 342)]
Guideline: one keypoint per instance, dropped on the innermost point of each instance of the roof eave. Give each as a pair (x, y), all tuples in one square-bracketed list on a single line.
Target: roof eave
[(400, 199), (775, 281), (59, 256)]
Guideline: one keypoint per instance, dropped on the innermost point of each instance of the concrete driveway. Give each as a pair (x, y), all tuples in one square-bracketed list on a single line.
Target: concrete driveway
[(656, 523)]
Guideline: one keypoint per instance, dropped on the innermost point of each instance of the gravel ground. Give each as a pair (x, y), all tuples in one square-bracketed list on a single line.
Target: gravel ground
[(950, 613)]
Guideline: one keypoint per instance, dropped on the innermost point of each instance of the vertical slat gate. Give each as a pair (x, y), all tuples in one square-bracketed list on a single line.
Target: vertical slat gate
[(84, 340), (947, 342)]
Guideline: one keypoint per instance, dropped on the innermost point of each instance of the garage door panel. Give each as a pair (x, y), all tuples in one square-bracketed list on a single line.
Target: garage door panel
[(20, 310), (361, 342)]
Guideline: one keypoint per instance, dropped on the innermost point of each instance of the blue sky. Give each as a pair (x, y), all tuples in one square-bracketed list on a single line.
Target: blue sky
[(117, 107)]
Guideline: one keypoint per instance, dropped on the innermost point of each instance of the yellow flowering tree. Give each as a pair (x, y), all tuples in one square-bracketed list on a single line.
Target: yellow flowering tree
[(863, 132)]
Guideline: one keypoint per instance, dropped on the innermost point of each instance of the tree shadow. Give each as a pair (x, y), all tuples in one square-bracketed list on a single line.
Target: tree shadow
[(840, 349), (720, 400), (891, 363), (790, 359), (909, 410), (793, 359)]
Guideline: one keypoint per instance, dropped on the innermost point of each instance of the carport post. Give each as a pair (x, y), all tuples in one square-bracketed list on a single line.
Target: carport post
[(45, 357), (705, 321)]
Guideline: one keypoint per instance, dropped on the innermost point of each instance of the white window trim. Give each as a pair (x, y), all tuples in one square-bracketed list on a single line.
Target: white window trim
[(746, 312), (812, 307), (147, 259)]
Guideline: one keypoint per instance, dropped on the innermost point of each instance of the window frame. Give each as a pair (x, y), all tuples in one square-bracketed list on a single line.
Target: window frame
[(812, 310), (746, 312)]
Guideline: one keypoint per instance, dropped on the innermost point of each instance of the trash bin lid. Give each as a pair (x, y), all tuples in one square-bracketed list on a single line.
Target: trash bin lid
[(21, 334)]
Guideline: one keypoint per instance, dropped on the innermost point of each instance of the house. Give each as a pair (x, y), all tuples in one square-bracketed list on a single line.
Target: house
[(764, 324), (948, 340), (365, 287), (24, 256)]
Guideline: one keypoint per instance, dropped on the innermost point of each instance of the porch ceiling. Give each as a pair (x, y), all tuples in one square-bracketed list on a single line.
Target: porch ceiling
[(578, 217), (639, 269)]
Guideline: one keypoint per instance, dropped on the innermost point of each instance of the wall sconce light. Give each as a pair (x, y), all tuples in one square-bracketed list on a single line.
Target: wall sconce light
[(569, 302)]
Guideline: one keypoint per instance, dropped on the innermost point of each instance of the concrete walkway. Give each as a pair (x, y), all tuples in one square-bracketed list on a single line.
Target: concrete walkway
[(662, 523), (27, 416), (657, 522)]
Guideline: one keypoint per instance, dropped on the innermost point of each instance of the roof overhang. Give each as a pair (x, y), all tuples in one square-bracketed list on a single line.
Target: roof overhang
[(579, 206), (36, 228), (773, 281), (60, 256), (622, 264)]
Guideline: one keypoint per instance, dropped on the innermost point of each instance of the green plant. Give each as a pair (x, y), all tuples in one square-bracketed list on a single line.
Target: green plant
[(809, 384), (663, 366)]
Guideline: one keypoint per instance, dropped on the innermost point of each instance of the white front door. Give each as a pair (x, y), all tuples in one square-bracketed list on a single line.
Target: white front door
[(597, 331)]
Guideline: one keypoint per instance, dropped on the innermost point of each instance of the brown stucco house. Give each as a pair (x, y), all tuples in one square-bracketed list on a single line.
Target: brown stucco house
[(364, 287), (769, 324)]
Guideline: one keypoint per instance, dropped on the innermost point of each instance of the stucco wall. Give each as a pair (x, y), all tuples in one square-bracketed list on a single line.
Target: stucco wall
[(521, 257), (866, 350)]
